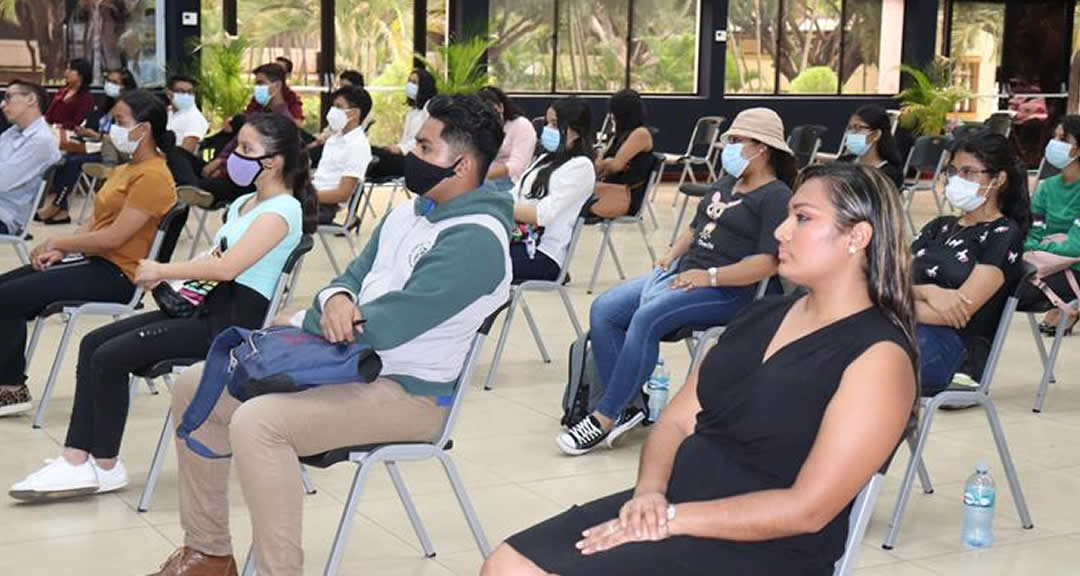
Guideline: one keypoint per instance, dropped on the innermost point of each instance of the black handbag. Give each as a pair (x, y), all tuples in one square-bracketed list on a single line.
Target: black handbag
[(184, 298)]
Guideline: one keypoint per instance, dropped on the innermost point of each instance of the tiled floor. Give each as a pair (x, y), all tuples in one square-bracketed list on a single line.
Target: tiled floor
[(516, 476)]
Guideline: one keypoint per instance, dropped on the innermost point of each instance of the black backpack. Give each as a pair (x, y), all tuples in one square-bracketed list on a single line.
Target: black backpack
[(583, 387)]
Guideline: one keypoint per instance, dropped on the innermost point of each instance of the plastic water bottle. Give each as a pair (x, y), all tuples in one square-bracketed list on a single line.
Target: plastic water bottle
[(657, 389), (979, 500)]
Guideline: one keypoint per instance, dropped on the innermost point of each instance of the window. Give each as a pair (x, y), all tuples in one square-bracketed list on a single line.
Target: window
[(32, 43), (814, 46), (976, 31), (581, 45)]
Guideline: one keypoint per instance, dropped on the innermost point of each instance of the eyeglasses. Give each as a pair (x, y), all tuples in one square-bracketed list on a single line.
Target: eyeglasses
[(12, 93), (858, 128), (965, 172)]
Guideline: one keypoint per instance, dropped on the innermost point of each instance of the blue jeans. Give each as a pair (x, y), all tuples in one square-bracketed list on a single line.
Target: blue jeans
[(941, 353), (628, 321)]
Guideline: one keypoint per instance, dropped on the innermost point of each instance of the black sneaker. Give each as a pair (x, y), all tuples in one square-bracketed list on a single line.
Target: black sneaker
[(582, 437), (627, 421)]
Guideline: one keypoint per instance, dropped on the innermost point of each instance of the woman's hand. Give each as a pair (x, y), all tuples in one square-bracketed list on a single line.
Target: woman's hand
[(148, 272), (690, 279), (40, 249), (1054, 239), (46, 259), (211, 168), (664, 262), (645, 516), (953, 305), (614, 533)]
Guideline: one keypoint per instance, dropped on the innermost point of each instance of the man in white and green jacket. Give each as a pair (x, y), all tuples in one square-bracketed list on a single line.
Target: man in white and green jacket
[(427, 279)]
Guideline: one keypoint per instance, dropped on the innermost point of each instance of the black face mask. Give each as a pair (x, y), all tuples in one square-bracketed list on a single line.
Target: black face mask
[(422, 176)]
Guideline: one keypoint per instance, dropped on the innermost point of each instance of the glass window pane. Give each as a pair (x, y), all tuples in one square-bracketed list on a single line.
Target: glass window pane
[(873, 36), (977, 30), (376, 38), (436, 33), (31, 47), (810, 47), (664, 52), (751, 47), (520, 57), (592, 45)]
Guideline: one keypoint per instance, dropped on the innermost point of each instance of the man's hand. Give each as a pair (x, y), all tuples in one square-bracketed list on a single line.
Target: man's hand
[(339, 318)]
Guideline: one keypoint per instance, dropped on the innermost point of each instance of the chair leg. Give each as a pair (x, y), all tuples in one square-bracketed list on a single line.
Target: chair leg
[(54, 372), (909, 477), (924, 475), (160, 453), (570, 311), (352, 245), (503, 335), (466, 504), (599, 256), (329, 254), (679, 220), (615, 257), (390, 198), (1007, 463), (305, 480), (292, 285), (39, 323), (249, 562), (410, 509), (133, 385), (345, 524), (652, 213), (200, 232), (1048, 363), (535, 331), (22, 253), (1040, 345), (151, 386), (645, 237)]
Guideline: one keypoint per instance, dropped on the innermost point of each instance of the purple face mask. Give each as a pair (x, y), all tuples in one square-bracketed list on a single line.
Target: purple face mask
[(243, 170)]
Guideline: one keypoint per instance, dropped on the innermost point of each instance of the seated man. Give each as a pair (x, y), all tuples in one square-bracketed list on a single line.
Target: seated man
[(27, 148), (432, 272), (186, 121), (346, 153)]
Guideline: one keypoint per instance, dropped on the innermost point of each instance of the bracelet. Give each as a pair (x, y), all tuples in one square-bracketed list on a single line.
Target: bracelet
[(670, 512)]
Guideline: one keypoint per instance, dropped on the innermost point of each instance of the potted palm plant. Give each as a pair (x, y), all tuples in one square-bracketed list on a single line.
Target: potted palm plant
[(224, 86), (464, 70), (926, 104)]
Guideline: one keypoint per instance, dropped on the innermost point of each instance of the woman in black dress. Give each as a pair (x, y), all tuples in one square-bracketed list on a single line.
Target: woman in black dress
[(753, 467)]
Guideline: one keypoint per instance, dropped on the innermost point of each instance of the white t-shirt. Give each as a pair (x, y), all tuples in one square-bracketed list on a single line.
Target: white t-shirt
[(569, 186), (344, 156), (414, 120), (187, 123)]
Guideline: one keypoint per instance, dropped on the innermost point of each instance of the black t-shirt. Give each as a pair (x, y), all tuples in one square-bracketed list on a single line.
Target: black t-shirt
[(892, 171), (729, 227), (945, 255)]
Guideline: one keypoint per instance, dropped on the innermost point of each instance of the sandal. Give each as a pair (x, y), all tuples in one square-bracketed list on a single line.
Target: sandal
[(1051, 329)]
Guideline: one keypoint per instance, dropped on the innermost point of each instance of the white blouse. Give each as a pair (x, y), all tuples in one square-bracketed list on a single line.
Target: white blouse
[(569, 187)]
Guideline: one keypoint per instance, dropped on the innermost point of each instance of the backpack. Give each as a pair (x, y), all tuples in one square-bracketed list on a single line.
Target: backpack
[(583, 387)]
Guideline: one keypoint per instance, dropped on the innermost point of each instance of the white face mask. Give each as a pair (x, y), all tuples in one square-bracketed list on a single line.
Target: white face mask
[(112, 89), (120, 138), (964, 194), (336, 119)]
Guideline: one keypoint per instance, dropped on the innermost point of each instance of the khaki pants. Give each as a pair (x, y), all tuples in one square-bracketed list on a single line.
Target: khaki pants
[(265, 436)]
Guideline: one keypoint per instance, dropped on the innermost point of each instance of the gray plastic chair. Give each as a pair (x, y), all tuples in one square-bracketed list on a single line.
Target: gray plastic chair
[(17, 239), (929, 154), (637, 218)]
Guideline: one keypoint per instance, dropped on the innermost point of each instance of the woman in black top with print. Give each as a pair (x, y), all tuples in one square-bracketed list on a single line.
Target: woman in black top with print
[(622, 172), (753, 467), (965, 267), (707, 276)]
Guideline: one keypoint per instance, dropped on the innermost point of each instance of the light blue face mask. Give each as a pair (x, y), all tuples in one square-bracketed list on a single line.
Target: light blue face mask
[(183, 101), (856, 143), (411, 90), (262, 94), (732, 160), (550, 138), (1057, 154)]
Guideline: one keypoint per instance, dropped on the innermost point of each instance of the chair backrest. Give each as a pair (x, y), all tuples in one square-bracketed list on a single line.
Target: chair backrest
[(579, 225), (1000, 123), (804, 141), (353, 205), (607, 129), (367, 124), (705, 138), (305, 245), (1046, 170), (538, 124), (1029, 272), (47, 179), (466, 376), (968, 129), (928, 154), (168, 234), (861, 511)]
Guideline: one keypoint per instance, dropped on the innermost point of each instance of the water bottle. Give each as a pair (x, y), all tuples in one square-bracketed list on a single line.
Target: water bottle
[(979, 500), (530, 244), (657, 389)]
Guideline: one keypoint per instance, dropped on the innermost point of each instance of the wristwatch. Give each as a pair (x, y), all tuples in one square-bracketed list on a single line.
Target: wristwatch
[(670, 512), (712, 276)]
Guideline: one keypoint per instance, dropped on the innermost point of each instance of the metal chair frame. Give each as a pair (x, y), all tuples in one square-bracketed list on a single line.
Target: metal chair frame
[(637, 218), (916, 183), (712, 144), (352, 220), (18, 239)]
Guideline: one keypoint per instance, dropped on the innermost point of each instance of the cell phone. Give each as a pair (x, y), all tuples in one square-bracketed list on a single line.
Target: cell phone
[(72, 258)]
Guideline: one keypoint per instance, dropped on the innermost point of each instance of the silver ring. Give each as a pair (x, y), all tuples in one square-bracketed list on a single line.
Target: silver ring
[(612, 527)]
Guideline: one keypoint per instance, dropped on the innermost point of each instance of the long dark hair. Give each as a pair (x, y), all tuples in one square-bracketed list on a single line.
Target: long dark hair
[(878, 119), (84, 70), (1071, 126), (280, 136), (997, 154), (783, 166), (628, 110), (570, 112), (425, 88), (145, 107), (494, 95)]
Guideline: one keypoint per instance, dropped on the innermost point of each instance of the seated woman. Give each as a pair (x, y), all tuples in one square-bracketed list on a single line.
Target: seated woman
[(753, 466), (72, 102), (127, 213), (965, 267), (419, 89), (624, 168), (1054, 239), (870, 142), (549, 197), (55, 207), (261, 231), (519, 140), (707, 276)]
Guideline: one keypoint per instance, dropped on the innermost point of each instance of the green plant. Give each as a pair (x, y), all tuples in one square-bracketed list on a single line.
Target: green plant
[(815, 80), (926, 104), (223, 78), (465, 71)]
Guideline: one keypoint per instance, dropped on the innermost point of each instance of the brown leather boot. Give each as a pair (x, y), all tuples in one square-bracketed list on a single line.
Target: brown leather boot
[(189, 562)]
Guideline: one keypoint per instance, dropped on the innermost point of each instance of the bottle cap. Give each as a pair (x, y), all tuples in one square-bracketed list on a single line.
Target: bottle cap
[(982, 468)]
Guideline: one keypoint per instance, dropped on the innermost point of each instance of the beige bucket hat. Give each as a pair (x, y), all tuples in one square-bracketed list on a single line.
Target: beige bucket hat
[(763, 125)]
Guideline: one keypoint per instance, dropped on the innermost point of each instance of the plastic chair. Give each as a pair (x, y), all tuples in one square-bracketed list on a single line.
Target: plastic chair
[(805, 141), (861, 511), (93, 174), (1000, 123), (928, 155), (517, 297), (1046, 170), (18, 238), (352, 221), (979, 395), (1048, 359), (200, 231), (967, 130), (636, 218), (703, 150), (367, 456), (166, 368), (160, 250)]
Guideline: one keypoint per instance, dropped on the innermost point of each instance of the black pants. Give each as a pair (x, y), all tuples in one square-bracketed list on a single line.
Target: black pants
[(539, 267), (4, 229), (24, 292), (223, 189), (390, 165), (107, 356), (1030, 296)]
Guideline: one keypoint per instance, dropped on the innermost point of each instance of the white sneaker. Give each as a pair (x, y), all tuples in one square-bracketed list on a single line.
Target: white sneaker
[(110, 480), (57, 479)]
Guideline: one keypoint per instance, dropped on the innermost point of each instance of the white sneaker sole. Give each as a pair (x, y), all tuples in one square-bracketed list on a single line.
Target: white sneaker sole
[(13, 409), (574, 451), (623, 428), (42, 496), (112, 488)]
